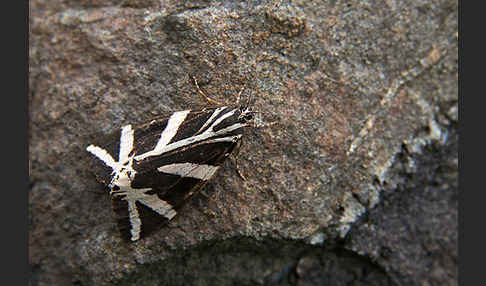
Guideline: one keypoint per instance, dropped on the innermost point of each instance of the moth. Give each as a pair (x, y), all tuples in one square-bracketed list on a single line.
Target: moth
[(153, 168)]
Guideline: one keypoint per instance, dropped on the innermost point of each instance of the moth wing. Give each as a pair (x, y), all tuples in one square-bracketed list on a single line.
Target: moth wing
[(145, 138), (173, 184), (104, 146), (170, 178)]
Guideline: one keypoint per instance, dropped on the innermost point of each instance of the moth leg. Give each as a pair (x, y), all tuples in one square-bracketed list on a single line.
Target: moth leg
[(207, 98), (257, 121), (96, 192), (266, 124), (235, 154)]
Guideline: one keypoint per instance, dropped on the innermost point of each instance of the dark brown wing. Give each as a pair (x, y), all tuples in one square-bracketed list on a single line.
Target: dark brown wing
[(174, 189)]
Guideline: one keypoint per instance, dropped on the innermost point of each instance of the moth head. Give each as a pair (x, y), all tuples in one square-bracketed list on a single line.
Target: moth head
[(246, 115)]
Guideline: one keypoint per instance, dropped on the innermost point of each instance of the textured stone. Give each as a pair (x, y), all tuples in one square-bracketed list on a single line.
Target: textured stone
[(350, 86)]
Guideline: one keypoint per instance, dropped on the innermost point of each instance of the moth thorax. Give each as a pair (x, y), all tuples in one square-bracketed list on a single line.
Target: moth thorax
[(246, 115)]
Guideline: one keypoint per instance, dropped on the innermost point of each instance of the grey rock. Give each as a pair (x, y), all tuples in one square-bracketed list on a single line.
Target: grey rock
[(350, 88)]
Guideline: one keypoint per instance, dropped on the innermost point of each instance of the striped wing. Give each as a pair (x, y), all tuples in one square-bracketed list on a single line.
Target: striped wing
[(155, 167), (174, 189)]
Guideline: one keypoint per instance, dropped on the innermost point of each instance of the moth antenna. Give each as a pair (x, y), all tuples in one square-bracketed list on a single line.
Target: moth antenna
[(239, 94), (207, 98), (248, 102)]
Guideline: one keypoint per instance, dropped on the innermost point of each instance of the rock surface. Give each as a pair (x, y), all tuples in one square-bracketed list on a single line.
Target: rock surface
[(354, 183)]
